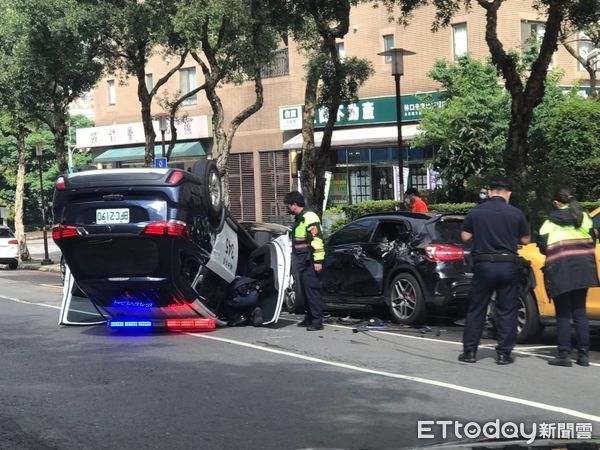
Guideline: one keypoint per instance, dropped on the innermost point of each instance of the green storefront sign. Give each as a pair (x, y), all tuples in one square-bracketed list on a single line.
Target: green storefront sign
[(367, 111)]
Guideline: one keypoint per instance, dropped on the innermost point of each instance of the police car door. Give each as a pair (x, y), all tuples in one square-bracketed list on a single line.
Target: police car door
[(76, 308)]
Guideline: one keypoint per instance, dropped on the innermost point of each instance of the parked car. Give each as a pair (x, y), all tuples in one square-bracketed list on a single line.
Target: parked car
[(9, 248), (157, 248), (538, 309), (411, 264)]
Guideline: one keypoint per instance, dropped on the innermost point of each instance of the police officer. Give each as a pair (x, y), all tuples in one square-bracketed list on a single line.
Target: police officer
[(496, 229), (309, 254)]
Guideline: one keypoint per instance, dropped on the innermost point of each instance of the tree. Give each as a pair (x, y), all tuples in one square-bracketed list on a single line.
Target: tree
[(136, 31), (469, 131), (330, 81), (526, 92), (232, 42), (53, 45), (591, 34)]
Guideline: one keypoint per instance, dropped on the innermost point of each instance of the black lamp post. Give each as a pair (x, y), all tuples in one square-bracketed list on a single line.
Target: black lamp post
[(39, 147), (162, 125), (397, 55)]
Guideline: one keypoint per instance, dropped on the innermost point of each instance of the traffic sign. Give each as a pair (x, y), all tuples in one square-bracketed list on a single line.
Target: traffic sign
[(160, 163)]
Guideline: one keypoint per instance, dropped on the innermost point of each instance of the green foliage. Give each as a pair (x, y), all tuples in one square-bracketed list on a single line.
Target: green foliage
[(469, 131), (372, 206), (590, 206), (452, 208)]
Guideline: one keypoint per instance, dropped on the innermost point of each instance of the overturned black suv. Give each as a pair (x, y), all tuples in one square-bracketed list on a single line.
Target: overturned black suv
[(156, 248)]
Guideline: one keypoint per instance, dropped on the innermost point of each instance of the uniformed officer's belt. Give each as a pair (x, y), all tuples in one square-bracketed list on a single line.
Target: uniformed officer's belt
[(496, 257)]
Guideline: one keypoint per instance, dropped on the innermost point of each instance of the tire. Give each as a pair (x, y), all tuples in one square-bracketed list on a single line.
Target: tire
[(406, 301), (13, 264), (211, 190), (528, 319), (294, 298)]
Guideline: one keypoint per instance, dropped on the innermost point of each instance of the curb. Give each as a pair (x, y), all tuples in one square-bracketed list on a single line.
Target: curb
[(37, 265)]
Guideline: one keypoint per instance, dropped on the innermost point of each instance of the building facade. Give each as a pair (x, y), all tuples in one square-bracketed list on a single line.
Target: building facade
[(364, 158)]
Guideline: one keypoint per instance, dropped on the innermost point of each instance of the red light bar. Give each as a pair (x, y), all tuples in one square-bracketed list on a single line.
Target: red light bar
[(13, 242), (175, 177), (175, 228), (64, 231), (190, 324), (60, 183)]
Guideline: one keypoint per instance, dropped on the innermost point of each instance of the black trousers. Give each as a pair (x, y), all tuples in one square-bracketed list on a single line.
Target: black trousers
[(567, 305), (502, 277), (311, 287)]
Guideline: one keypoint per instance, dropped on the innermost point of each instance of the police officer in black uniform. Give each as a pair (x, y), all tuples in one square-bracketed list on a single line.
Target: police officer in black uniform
[(496, 229)]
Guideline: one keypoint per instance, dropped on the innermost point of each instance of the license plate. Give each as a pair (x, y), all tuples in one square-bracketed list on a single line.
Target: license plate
[(116, 215)]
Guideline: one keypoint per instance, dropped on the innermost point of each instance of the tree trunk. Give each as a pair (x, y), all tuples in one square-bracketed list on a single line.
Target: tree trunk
[(524, 99), (60, 132), (19, 194), (308, 174), (146, 103)]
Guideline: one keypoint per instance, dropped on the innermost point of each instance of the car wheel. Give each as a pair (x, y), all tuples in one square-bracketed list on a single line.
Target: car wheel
[(528, 319), (13, 264), (212, 190), (405, 300), (294, 299)]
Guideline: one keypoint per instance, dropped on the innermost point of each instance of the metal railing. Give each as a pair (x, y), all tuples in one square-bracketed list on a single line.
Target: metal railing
[(279, 67)]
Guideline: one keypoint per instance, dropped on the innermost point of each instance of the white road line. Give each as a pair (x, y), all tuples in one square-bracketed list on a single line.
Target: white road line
[(455, 387), (26, 302), (518, 350)]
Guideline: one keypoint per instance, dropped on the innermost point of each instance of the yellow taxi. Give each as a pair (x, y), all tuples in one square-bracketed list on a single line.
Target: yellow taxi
[(537, 309)]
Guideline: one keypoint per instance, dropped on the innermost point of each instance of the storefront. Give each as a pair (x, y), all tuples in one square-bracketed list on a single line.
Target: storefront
[(122, 145), (364, 155)]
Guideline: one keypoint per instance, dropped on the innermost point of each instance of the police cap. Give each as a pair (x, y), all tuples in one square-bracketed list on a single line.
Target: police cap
[(499, 182)]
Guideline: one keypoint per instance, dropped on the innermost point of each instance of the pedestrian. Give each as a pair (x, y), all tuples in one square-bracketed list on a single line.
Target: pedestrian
[(416, 202), (483, 195), (496, 228), (568, 240), (309, 255)]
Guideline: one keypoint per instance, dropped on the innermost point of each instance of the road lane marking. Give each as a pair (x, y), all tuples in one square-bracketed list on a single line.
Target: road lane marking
[(26, 302), (52, 286), (442, 384)]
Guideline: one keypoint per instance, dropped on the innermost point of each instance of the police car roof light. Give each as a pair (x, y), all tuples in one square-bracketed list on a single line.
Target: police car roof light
[(129, 324), (190, 324)]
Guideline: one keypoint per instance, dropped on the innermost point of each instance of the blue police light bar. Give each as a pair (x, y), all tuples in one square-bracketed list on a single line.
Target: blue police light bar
[(129, 324)]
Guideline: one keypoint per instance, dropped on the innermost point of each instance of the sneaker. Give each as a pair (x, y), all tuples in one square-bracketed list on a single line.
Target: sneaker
[(583, 358), (563, 359)]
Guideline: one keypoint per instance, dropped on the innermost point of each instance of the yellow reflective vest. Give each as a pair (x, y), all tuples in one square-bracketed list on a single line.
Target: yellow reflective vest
[(308, 237), (570, 256)]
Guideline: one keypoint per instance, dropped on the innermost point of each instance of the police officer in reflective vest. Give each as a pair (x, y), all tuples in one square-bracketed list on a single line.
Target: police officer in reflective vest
[(309, 254), (496, 229), (568, 240)]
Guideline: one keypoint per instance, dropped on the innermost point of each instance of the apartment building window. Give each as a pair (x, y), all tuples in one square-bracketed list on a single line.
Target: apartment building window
[(388, 43), (459, 35), (112, 92), (187, 83), (341, 50), (279, 67), (585, 46), (531, 33), (149, 82)]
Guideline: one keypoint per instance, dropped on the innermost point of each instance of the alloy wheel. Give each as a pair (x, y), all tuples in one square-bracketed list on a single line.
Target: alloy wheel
[(404, 298)]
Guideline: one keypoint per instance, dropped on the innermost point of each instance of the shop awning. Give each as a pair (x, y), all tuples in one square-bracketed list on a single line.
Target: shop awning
[(184, 149), (387, 135)]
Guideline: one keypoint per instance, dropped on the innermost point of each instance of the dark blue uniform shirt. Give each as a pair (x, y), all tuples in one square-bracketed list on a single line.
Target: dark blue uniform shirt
[(496, 227)]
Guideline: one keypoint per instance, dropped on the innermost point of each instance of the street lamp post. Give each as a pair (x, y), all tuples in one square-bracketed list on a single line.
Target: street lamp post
[(39, 147), (162, 125), (397, 55)]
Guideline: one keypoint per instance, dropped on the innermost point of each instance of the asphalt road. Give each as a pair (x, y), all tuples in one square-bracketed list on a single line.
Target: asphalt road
[(261, 388)]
